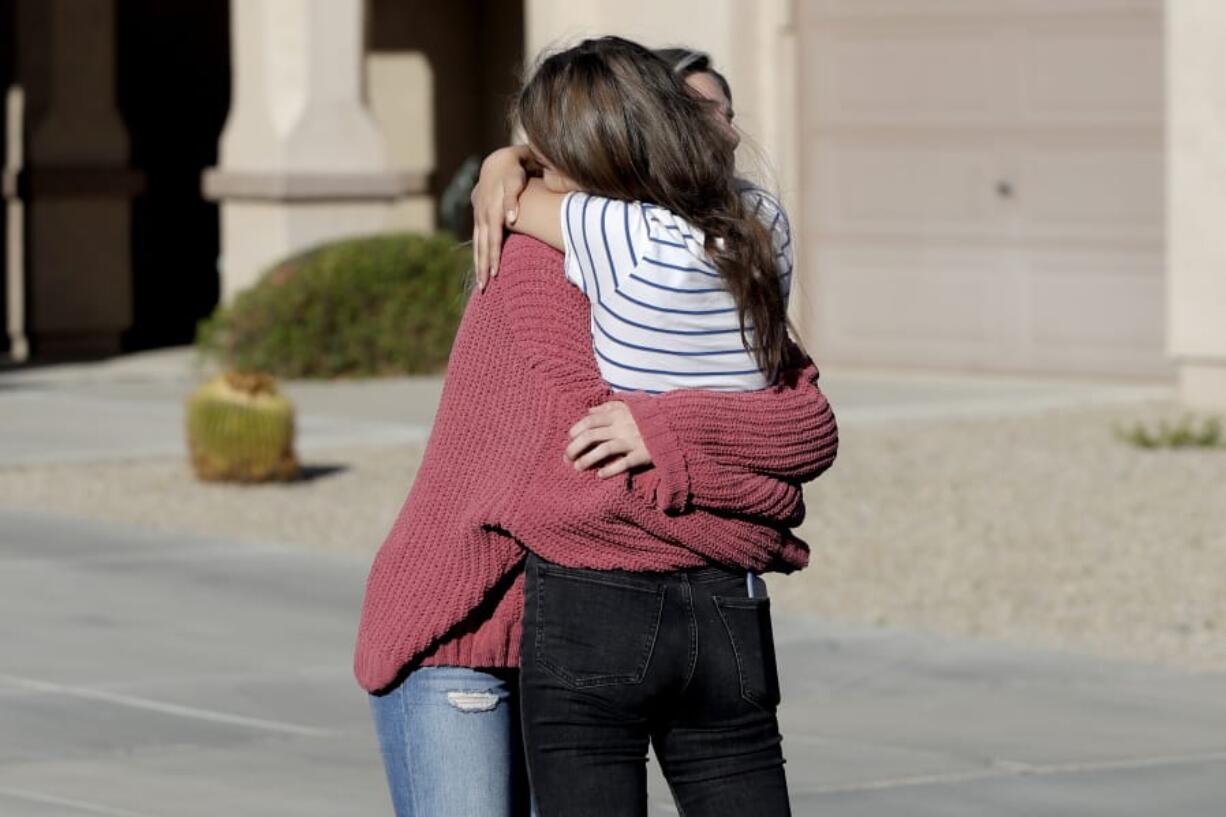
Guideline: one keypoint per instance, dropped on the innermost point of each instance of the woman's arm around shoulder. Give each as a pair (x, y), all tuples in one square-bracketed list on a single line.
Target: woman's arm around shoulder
[(549, 319), (540, 214), (787, 432)]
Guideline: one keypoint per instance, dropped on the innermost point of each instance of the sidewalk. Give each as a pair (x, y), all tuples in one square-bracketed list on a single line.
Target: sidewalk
[(169, 674), (132, 407)]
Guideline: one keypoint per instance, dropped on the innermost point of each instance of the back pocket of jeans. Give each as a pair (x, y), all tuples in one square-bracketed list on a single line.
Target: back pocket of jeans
[(748, 623), (592, 630)]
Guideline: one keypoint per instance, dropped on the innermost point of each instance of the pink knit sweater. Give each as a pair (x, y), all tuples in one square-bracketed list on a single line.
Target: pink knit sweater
[(446, 585)]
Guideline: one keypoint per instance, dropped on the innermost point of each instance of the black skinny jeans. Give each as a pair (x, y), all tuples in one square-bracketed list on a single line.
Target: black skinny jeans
[(613, 659)]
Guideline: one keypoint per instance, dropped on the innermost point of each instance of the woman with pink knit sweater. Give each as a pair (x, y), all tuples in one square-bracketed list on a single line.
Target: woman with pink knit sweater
[(639, 601)]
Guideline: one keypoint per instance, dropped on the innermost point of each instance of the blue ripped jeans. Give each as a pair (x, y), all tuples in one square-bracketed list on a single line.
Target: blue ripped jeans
[(451, 744)]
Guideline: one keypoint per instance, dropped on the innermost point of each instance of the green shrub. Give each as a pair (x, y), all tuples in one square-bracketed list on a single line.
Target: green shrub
[(366, 306), (1187, 432)]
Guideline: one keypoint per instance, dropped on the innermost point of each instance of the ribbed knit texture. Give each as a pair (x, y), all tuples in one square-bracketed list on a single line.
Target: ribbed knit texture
[(446, 586), (723, 444)]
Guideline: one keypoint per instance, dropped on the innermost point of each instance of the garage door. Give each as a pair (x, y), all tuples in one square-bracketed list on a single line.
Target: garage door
[(983, 183)]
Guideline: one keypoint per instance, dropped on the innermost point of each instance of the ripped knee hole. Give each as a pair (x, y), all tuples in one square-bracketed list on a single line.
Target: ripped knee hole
[(472, 701)]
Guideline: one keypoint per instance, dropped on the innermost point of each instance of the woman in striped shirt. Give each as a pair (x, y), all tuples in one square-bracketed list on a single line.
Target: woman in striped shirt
[(687, 270)]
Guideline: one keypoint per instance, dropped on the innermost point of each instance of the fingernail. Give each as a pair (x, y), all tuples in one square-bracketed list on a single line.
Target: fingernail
[(511, 216)]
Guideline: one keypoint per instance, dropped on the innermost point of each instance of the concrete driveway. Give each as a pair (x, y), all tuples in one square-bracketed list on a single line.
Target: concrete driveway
[(151, 676), (171, 675)]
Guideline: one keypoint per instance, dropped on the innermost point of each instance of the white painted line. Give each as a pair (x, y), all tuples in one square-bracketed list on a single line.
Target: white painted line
[(907, 782), (80, 805), (177, 710), (340, 671), (206, 679), (1156, 761), (154, 556), (1007, 768)]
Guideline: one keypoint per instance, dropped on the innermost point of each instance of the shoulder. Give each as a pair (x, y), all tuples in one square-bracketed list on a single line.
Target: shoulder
[(530, 288), (525, 254), (580, 207), (764, 205), (588, 218), (527, 266)]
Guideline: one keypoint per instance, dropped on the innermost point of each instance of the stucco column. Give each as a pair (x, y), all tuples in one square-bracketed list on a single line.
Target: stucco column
[(68, 185), (302, 161), (1196, 198)]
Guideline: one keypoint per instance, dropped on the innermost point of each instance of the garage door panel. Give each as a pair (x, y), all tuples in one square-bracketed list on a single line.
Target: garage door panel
[(1080, 194), (905, 75), (931, 191), (913, 307), (1086, 72), (823, 11), (984, 182), (1097, 299)]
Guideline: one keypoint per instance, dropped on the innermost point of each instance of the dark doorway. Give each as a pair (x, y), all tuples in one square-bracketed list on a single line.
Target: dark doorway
[(7, 58), (174, 93), (475, 49)]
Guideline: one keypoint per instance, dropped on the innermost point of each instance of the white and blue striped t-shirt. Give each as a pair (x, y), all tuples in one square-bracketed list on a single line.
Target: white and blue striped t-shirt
[(661, 317)]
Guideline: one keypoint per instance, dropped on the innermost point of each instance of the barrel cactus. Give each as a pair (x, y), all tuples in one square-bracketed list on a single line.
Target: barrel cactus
[(241, 429)]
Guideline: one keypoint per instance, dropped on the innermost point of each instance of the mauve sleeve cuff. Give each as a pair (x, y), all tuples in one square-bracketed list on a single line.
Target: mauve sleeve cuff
[(672, 476), (787, 431)]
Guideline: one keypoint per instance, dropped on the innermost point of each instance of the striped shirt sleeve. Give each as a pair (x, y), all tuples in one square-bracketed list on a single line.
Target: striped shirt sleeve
[(641, 253), (616, 246), (662, 317), (605, 242), (767, 209)]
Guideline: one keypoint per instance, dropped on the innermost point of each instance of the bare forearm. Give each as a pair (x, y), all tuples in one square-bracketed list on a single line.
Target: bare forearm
[(495, 201), (540, 214)]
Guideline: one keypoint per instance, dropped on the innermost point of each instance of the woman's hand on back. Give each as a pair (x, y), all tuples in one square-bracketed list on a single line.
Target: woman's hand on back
[(495, 201), (607, 436)]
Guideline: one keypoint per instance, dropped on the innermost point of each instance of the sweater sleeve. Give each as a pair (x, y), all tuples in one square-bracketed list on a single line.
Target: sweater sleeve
[(552, 325), (717, 443)]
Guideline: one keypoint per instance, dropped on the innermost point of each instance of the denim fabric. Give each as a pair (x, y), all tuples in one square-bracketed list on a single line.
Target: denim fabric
[(451, 744), (613, 660)]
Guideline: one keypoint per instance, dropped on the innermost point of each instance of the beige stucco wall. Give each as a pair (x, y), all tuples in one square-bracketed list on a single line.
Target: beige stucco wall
[(400, 90), (1196, 197)]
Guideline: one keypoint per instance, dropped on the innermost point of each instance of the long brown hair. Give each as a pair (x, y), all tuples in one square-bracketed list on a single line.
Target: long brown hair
[(615, 118)]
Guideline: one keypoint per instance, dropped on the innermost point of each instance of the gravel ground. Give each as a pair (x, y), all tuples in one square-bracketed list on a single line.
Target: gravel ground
[(1041, 530), (348, 502), (1044, 530)]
